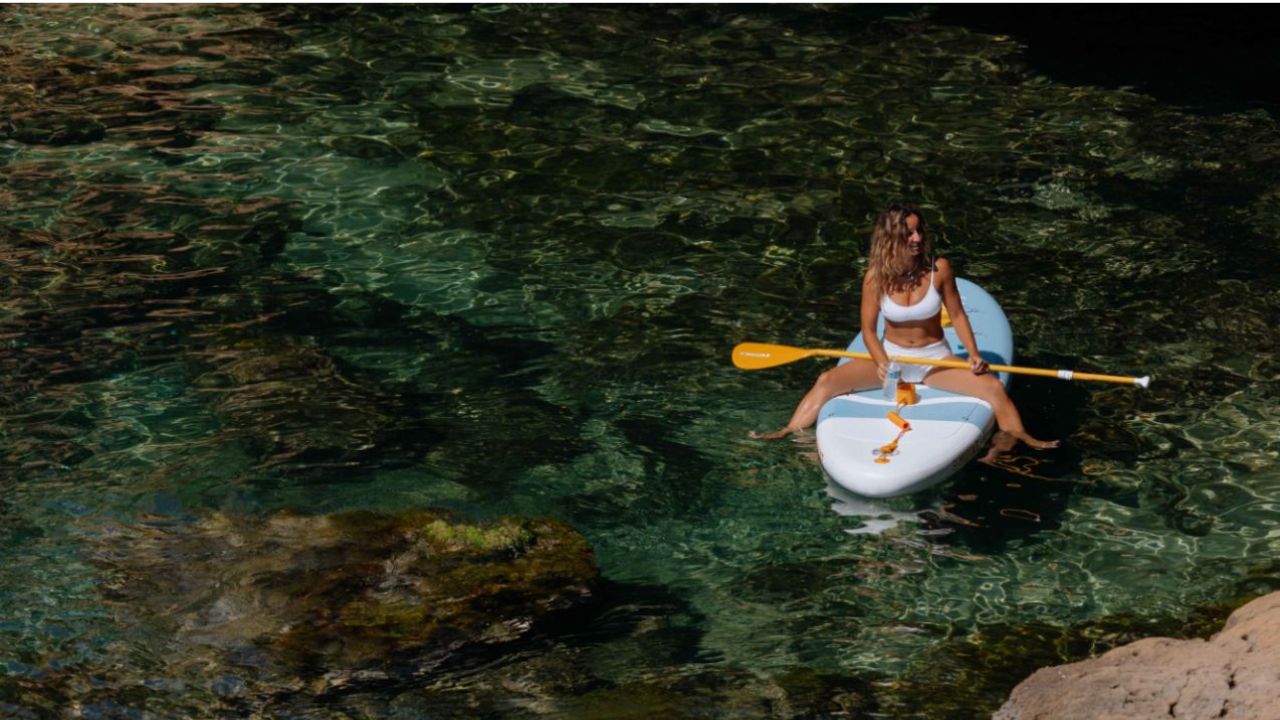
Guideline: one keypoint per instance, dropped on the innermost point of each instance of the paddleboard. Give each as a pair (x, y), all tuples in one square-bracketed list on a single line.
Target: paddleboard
[(947, 430)]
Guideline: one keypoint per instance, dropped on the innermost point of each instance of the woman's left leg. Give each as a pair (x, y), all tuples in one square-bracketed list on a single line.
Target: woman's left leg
[(986, 387)]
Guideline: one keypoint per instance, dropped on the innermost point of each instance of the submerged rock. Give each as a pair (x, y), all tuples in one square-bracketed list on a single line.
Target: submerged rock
[(725, 691), (1232, 674), (324, 601), (294, 407)]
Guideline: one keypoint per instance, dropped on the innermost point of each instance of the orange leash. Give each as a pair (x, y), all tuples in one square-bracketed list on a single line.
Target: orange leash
[(906, 396)]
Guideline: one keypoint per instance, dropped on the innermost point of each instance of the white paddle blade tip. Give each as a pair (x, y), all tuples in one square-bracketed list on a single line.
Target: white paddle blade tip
[(1143, 381)]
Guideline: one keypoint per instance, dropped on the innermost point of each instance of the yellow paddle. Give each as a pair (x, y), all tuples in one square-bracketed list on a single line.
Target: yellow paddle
[(758, 356)]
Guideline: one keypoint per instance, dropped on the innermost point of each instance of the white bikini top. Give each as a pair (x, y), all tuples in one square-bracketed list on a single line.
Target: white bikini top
[(929, 305)]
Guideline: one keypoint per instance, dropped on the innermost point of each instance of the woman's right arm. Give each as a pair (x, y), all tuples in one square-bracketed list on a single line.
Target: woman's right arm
[(870, 318)]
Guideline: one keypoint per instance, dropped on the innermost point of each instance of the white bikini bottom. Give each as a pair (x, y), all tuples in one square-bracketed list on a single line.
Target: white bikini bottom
[(915, 373)]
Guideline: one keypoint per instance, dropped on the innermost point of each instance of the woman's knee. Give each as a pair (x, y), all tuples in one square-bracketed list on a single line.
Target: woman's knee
[(993, 389), (826, 381), (832, 382)]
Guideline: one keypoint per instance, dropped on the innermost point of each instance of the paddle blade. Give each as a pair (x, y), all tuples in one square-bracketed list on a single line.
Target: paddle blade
[(758, 356)]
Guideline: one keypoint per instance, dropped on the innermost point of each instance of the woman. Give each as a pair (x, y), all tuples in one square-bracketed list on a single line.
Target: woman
[(909, 286)]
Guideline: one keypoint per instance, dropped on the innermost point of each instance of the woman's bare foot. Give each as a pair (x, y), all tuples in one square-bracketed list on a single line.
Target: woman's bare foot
[(1001, 443), (775, 435)]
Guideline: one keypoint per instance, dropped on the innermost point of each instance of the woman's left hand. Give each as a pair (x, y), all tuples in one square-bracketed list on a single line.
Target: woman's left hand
[(978, 365)]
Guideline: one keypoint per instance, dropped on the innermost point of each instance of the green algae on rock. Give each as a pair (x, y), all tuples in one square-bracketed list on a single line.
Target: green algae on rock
[(329, 597), (504, 537)]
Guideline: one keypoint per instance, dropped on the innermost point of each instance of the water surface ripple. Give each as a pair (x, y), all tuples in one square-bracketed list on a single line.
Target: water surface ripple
[(492, 259)]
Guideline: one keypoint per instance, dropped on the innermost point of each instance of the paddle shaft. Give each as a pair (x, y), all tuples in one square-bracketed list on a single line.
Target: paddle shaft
[(964, 364), (761, 356)]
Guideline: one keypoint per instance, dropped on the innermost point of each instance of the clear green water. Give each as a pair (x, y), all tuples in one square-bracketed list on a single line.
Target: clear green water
[(520, 241)]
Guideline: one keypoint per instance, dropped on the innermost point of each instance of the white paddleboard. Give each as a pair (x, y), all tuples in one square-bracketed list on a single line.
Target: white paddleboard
[(947, 430)]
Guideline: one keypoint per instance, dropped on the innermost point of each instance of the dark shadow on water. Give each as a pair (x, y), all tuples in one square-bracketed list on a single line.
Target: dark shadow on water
[(1213, 58), (1022, 492)]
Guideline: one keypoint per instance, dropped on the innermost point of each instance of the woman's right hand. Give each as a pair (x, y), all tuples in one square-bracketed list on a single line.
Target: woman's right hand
[(882, 370), (978, 365)]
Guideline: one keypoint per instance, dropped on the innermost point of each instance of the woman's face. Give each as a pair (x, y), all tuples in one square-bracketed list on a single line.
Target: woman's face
[(914, 241)]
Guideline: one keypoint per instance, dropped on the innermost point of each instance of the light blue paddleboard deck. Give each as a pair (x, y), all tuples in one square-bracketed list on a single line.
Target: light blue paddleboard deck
[(947, 430)]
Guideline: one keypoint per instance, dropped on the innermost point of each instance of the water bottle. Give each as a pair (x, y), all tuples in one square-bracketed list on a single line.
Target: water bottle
[(892, 375)]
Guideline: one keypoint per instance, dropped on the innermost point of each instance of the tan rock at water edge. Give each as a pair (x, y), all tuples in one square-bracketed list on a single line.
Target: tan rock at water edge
[(1234, 674)]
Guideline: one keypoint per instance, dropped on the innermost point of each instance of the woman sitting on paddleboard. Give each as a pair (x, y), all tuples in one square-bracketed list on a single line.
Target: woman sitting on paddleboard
[(909, 286)]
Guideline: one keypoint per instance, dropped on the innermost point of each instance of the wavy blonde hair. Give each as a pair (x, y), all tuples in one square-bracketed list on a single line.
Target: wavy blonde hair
[(890, 259)]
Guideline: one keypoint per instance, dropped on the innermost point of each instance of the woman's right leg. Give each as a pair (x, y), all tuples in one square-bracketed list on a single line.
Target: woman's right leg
[(987, 387), (850, 377)]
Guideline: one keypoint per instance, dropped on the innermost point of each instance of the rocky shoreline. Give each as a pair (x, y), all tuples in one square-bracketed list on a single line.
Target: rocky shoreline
[(1231, 675)]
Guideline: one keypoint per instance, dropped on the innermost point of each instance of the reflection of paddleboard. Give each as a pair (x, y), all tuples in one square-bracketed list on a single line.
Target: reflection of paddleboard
[(876, 518), (947, 430)]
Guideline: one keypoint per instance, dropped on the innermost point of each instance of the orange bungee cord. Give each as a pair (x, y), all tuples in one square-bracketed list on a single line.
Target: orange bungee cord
[(907, 395)]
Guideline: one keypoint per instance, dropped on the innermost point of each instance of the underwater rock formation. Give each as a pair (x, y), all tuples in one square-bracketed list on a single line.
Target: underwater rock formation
[(317, 602), (1232, 674), (294, 405)]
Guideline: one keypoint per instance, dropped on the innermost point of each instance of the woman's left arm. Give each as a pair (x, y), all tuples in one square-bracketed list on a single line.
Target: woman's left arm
[(959, 318)]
